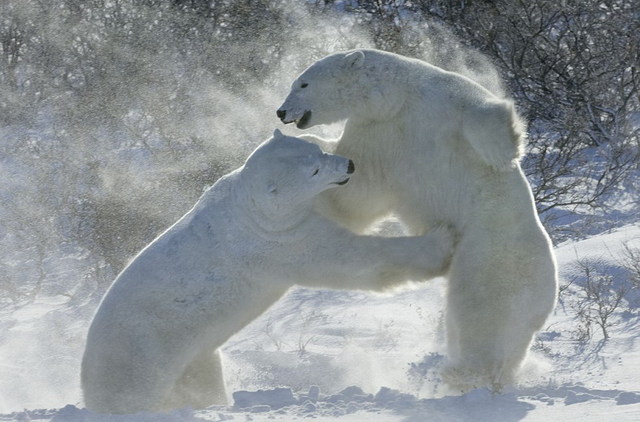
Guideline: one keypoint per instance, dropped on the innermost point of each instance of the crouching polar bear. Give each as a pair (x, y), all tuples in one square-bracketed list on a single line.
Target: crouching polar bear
[(434, 147), (153, 342)]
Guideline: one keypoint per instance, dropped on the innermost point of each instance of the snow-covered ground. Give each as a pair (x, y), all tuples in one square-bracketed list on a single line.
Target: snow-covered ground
[(353, 356)]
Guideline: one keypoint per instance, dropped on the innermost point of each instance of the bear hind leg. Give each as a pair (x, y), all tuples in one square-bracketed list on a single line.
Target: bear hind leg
[(134, 388), (201, 384)]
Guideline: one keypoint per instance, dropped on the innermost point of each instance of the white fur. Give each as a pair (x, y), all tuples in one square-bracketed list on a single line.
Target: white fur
[(153, 343), (435, 147)]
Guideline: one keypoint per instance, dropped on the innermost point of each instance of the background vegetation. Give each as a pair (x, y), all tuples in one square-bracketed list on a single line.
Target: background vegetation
[(115, 114)]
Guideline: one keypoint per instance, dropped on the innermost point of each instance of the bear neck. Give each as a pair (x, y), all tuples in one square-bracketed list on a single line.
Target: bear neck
[(385, 101), (266, 223)]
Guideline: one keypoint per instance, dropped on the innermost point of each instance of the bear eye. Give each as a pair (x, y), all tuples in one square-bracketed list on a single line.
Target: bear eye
[(304, 85), (315, 172)]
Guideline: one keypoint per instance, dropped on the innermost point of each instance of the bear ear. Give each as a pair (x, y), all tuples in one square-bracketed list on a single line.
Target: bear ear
[(277, 134), (354, 60)]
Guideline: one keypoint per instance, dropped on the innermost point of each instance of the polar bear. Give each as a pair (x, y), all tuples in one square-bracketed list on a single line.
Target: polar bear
[(433, 147), (153, 342)]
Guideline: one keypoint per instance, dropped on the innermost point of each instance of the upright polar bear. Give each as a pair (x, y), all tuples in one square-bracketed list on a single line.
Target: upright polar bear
[(153, 342), (434, 147)]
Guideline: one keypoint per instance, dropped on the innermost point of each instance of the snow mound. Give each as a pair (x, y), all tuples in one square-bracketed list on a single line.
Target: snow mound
[(352, 404)]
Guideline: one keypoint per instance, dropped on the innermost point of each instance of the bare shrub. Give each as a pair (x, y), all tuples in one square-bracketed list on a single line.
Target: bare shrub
[(601, 293)]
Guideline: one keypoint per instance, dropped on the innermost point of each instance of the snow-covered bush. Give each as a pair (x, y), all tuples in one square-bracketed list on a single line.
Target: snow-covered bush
[(602, 294)]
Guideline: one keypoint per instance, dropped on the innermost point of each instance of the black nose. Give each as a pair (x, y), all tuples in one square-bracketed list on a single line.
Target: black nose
[(351, 168), (281, 114)]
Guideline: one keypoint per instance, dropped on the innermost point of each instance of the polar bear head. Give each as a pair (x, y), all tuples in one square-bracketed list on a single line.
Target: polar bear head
[(375, 86), (284, 174), (325, 92)]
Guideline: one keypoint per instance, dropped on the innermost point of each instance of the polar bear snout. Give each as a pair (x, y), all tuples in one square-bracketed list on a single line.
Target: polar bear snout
[(301, 118), (288, 116), (351, 167)]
